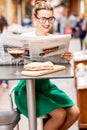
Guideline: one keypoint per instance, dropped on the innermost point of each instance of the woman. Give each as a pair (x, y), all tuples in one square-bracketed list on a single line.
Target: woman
[(63, 112)]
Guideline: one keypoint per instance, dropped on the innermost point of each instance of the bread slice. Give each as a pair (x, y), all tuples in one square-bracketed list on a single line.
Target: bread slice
[(39, 66)]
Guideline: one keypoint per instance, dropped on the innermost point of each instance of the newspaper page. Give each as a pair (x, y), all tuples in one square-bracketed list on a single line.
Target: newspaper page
[(41, 48)]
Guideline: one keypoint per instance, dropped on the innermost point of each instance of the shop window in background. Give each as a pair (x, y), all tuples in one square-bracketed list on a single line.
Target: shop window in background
[(28, 12), (82, 6), (85, 8), (2, 7)]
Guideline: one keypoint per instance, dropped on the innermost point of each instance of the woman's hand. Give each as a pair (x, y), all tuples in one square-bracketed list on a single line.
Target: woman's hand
[(67, 55)]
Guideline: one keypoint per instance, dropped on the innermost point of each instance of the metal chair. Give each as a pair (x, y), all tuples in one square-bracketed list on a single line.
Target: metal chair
[(9, 119)]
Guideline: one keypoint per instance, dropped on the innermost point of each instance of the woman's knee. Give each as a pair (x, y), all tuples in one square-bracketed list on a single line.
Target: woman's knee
[(58, 114), (74, 112)]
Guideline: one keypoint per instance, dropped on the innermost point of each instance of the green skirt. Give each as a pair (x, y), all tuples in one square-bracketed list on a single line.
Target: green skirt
[(48, 97)]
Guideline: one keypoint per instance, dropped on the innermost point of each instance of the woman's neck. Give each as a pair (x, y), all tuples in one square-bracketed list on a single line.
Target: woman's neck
[(40, 33)]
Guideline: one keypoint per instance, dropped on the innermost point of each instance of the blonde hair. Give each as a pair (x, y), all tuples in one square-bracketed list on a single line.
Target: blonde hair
[(39, 1), (40, 5)]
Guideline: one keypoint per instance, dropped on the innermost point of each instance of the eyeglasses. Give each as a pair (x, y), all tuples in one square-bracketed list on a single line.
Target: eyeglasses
[(44, 19)]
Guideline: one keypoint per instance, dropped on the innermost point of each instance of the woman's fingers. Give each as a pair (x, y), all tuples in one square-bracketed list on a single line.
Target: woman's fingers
[(67, 55)]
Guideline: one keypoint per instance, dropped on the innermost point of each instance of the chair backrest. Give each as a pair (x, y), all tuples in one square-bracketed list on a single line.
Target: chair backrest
[(13, 106), (11, 95)]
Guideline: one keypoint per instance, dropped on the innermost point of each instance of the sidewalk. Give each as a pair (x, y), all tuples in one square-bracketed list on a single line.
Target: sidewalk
[(70, 90)]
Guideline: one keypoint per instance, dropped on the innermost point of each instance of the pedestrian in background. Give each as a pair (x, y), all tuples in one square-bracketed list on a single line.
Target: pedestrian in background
[(3, 25), (79, 28), (73, 20), (62, 23), (68, 29)]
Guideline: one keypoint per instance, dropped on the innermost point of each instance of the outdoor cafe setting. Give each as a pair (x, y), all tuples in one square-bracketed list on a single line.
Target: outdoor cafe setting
[(43, 65)]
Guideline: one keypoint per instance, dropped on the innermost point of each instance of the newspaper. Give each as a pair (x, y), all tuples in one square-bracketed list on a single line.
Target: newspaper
[(41, 48)]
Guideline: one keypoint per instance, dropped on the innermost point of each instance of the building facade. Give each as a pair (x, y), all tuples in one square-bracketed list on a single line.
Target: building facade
[(16, 10)]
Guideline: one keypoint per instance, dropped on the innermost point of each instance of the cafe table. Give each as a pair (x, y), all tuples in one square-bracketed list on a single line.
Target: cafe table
[(7, 72)]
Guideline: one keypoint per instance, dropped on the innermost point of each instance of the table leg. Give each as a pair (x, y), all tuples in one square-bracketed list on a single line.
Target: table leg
[(30, 84)]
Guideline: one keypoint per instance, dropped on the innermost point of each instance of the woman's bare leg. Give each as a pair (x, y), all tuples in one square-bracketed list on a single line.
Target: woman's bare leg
[(57, 119), (72, 114)]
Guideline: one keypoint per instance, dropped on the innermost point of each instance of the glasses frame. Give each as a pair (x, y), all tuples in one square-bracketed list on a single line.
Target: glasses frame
[(46, 19)]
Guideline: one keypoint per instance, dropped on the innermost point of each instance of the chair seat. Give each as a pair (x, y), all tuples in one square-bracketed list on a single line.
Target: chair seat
[(9, 117)]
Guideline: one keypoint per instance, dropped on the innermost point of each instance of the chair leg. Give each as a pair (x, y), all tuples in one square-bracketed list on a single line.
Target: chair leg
[(41, 124), (42, 120)]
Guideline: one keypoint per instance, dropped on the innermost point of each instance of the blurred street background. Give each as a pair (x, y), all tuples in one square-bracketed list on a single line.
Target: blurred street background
[(18, 19), (19, 11)]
